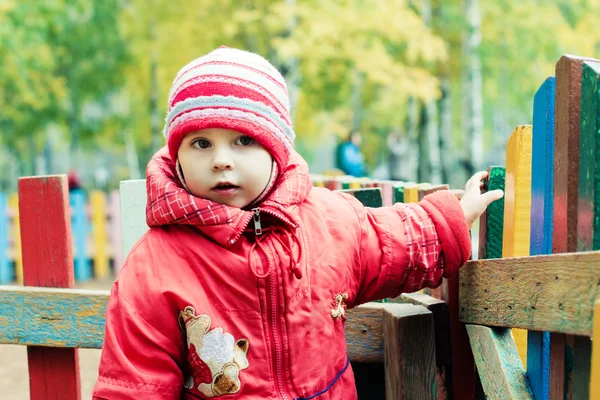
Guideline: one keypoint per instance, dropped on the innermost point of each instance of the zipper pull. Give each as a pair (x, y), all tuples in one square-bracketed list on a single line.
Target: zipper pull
[(257, 226)]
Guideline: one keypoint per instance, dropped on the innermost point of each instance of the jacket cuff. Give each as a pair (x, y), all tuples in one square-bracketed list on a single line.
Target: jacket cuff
[(451, 225)]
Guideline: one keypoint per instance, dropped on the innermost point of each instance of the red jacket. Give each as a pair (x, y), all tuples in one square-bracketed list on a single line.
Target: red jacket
[(206, 307)]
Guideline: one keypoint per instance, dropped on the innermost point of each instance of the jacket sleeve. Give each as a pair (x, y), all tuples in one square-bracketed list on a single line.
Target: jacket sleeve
[(407, 247), (137, 361)]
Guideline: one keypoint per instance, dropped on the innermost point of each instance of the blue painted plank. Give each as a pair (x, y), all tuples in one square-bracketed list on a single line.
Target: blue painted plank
[(51, 317), (542, 195), (80, 229), (5, 262)]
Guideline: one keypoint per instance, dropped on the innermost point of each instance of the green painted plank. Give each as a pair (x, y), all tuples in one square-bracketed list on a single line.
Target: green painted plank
[(370, 197), (491, 224), (498, 363), (588, 173), (588, 204), (398, 192), (554, 293)]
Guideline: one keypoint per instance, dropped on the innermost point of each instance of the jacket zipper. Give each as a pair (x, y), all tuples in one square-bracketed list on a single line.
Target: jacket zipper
[(279, 381), (275, 330), (256, 216)]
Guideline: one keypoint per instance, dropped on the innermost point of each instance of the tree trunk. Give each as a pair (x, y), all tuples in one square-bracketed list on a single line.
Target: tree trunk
[(412, 132), (357, 99), (423, 168), (292, 68), (132, 157), (445, 121), (155, 129), (472, 90)]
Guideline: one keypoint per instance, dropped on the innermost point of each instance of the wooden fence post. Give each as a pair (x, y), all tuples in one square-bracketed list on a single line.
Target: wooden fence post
[(48, 261), (542, 188), (409, 352)]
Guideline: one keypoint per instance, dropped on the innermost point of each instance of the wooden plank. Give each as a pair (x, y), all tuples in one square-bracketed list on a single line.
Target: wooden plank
[(427, 190), (443, 354), (5, 262), (582, 362), (46, 235), (463, 365), (100, 238), (52, 317), (133, 212), (411, 194), (542, 196), (566, 177), (566, 152), (409, 352), (491, 222), (497, 358), (115, 231), (517, 207), (517, 197), (595, 370), (588, 231), (75, 318), (398, 195), (552, 293), (83, 270), (369, 197), (15, 234)]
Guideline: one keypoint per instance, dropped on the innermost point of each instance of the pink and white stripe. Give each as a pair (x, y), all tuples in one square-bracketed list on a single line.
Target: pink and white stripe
[(232, 89)]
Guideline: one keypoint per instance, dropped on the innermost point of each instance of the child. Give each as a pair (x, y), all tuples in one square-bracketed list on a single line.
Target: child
[(241, 286)]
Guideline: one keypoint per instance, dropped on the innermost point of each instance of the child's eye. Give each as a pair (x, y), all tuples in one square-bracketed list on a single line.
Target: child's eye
[(201, 144), (244, 141)]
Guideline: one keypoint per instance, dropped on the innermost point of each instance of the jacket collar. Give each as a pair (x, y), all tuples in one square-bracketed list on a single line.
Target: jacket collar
[(169, 203)]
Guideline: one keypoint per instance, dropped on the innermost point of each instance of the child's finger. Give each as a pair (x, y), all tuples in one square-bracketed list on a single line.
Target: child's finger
[(492, 196), (475, 180)]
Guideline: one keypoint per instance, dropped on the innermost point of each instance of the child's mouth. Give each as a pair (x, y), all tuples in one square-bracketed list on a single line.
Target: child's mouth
[(225, 189)]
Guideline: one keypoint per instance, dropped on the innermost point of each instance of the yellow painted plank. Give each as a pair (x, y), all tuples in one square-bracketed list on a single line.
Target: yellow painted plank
[(100, 238), (517, 207), (411, 194), (15, 235), (355, 184), (595, 372)]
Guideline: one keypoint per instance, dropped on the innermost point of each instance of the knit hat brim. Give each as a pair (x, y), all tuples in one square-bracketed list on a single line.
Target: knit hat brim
[(263, 136)]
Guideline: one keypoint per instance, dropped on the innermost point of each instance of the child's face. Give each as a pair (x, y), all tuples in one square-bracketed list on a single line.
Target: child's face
[(224, 166)]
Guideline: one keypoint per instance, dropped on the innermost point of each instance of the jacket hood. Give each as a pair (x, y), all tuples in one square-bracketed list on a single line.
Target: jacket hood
[(169, 203)]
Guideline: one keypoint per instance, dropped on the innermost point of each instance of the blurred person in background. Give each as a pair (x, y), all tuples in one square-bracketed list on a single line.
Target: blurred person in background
[(349, 157)]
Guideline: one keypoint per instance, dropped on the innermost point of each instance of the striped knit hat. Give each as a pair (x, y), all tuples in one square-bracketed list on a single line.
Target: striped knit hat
[(231, 89)]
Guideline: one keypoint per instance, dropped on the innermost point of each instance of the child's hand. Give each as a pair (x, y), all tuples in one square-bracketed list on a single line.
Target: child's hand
[(473, 202)]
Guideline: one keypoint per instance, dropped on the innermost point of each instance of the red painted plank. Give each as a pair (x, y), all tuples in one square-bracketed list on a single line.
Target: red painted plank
[(566, 187), (48, 262)]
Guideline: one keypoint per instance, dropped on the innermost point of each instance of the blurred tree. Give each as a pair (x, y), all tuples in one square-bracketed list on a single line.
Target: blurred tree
[(101, 71), (61, 65)]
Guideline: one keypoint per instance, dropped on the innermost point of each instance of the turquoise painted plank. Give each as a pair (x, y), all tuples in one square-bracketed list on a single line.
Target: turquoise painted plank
[(542, 197), (80, 229), (35, 316), (51, 317), (5, 262)]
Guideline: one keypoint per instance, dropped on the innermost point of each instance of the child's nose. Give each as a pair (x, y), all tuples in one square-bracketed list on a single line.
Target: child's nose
[(222, 160)]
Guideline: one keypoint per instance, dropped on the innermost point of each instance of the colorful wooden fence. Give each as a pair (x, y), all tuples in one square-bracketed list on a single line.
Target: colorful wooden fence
[(530, 275), (551, 205), (96, 231)]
